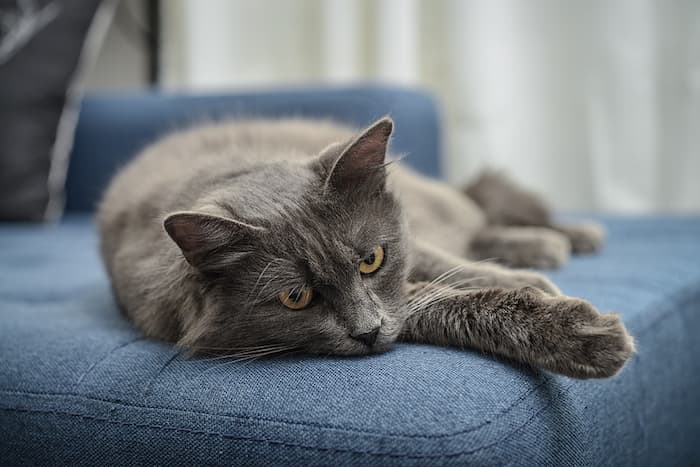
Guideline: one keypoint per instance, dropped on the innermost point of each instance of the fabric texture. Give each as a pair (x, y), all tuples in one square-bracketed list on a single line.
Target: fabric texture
[(80, 386), (44, 48)]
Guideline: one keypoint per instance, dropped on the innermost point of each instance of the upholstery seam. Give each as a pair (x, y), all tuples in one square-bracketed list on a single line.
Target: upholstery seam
[(275, 442), (287, 422), (152, 381), (105, 357)]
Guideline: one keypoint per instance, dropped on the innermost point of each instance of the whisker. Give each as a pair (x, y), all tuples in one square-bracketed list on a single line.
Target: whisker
[(238, 349), (437, 298), (444, 276), (431, 302), (441, 293), (237, 355), (249, 357), (267, 284), (257, 281), (437, 290), (447, 274)]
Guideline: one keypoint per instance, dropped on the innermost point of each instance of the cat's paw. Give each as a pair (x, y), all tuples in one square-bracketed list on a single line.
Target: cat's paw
[(582, 342), (550, 250), (584, 238)]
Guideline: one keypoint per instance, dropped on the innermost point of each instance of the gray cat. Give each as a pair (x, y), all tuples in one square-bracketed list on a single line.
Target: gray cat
[(254, 238)]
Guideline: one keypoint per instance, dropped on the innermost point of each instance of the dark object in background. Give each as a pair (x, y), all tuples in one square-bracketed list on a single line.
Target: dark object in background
[(153, 41), (44, 48)]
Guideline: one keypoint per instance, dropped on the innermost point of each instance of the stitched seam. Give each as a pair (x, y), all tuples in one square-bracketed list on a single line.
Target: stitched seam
[(148, 389), (276, 420), (267, 441), (105, 357)]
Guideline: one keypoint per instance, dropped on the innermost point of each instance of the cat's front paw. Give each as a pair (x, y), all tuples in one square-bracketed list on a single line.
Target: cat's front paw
[(584, 343)]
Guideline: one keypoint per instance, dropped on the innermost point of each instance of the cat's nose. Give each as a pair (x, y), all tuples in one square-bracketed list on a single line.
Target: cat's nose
[(367, 338)]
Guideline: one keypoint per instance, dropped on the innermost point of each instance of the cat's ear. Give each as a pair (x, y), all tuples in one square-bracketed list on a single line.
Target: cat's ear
[(363, 159), (207, 241)]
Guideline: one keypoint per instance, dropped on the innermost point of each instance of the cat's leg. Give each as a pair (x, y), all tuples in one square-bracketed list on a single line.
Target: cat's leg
[(430, 263), (585, 237), (506, 204), (537, 247), (560, 334)]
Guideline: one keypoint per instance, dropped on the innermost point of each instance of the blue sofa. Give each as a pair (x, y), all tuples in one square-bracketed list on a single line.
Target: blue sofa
[(79, 385)]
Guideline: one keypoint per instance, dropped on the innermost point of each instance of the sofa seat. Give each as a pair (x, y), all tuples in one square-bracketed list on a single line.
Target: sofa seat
[(79, 385)]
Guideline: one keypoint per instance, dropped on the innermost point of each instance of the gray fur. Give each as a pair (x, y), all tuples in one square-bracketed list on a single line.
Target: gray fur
[(202, 231), (507, 206), (522, 246)]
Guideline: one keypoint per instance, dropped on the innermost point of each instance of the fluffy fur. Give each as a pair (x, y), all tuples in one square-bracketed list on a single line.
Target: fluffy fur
[(202, 231)]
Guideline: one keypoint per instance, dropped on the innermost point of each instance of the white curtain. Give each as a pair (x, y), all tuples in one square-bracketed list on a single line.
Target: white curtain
[(596, 105)]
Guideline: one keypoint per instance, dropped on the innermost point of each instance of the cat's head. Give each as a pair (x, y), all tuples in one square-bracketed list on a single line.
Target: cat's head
[(308, 256)]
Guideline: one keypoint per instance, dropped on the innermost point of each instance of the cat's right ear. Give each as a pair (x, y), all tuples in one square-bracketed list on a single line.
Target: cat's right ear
[(362, 161), (210, 242)]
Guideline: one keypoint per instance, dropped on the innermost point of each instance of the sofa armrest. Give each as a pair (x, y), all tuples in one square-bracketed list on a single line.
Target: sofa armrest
[(113, 127)]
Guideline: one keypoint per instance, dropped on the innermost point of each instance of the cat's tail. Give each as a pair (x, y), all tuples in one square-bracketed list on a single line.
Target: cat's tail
[(504, 203)]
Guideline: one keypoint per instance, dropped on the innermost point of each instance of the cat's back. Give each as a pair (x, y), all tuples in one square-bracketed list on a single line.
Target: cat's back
[(245, 143), (215, 150), (167, 174)]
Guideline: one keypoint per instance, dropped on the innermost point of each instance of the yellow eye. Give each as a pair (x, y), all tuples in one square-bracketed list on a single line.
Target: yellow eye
[(297, 298), (371, 263)]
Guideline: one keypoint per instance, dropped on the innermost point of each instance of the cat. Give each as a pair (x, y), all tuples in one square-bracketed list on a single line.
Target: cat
[(520, 230), (261, 237)]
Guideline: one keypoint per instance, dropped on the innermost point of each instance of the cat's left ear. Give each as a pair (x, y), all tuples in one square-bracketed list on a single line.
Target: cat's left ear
[(210, 242), (362, 160)]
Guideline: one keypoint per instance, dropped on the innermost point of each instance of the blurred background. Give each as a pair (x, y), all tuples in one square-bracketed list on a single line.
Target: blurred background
[(595, 104)]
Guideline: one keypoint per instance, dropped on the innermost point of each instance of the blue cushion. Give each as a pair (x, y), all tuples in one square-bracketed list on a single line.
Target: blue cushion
[(79, 385), (112, 128)]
